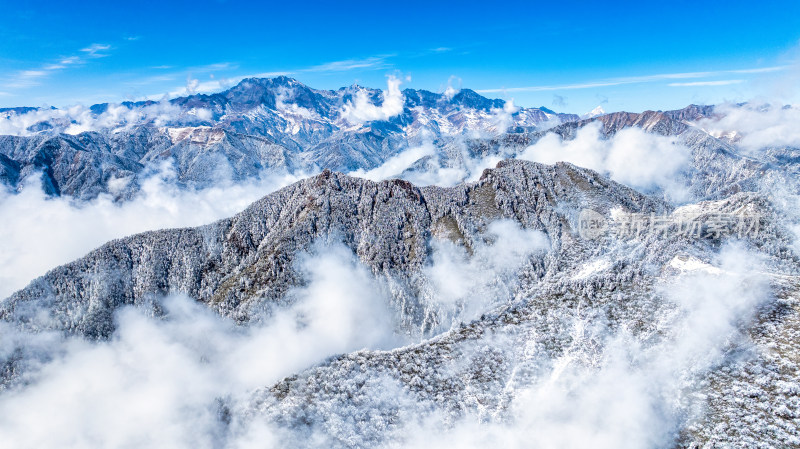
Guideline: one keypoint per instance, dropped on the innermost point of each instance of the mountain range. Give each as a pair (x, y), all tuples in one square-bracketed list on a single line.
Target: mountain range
[(263, 127), (515, 319), (259, 125)]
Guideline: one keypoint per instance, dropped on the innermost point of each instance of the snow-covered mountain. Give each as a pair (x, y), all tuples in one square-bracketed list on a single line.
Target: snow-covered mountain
[(622, 280), (596, 112), (555, 296), (259, 125)]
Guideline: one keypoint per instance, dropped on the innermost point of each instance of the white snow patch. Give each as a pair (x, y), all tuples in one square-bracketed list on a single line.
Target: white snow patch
[(593, 267), (198, 135), (685, 264)]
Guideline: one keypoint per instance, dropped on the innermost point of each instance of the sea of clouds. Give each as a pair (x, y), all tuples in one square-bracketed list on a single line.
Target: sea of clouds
[(170, 380)]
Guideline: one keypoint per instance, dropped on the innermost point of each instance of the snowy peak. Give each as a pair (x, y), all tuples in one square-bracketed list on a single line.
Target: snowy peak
[(596, 112), (200, 135)]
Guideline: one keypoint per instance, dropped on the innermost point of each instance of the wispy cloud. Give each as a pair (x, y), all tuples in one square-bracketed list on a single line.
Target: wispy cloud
[(762, 69), (551, 87), (633, 80), (217, 66), (29, 78), (94, 50), (174, 73), (69, 60), (373, 62), (152, 80), (32, 73), (706, 83), (26, 78), (63, 63)]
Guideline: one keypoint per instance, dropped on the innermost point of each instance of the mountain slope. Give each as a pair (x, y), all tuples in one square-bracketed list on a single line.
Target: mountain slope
[(234, 264), (261, 126), (564, 306)]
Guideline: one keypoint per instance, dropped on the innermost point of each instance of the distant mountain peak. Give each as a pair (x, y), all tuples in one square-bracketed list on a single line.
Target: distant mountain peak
[(596, 112)]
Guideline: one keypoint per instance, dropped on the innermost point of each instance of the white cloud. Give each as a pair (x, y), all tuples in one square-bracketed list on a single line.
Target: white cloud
[(374, 62), (633, 80), (633, 157), (610, 388), (29, 78), (33, 245), (755, 127), (437, 168), (77, 119), (451, 91), (396, 165), (32, 73), (194, 86), (503, 118), (361, 109), (164, 382), (214, 67), (70, 60), (706, 83), (465, 285), (94, 50), (283, 103), (191, 86)]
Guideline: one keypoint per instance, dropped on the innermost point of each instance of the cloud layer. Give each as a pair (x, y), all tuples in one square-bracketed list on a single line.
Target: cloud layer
[(78, 119), (362, 110), (632, 157), (611, 388), (754, 127), (33, 244), (169, 382)]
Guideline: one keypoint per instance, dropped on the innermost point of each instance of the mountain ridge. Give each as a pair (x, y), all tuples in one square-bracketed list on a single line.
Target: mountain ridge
[(306, 126), (455, 367)]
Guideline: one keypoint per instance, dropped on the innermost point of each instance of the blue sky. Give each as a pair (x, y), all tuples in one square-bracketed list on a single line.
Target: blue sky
[(569, 56)]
